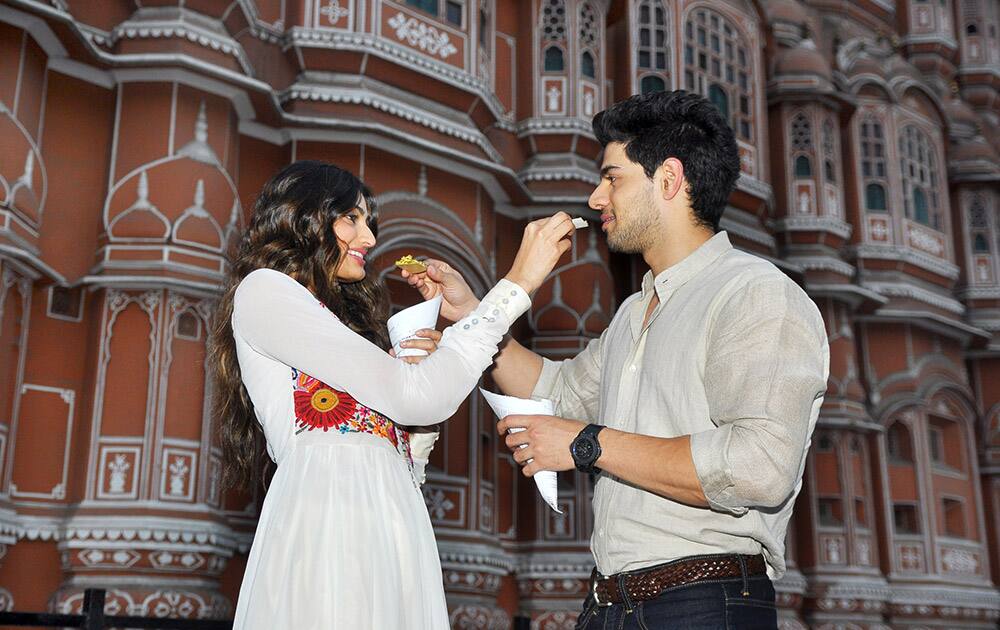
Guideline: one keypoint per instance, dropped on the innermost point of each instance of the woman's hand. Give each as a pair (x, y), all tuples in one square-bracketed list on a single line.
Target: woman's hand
[(428, 343), (543, 243), (440, 279)]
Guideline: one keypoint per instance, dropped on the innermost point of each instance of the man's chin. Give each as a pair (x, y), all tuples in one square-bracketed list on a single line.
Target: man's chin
[(622, 246)]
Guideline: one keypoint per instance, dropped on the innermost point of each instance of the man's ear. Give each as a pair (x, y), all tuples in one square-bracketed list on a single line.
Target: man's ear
[(671, 179)]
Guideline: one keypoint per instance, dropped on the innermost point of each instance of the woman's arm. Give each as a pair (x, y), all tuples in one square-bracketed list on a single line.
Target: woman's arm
[(281, 319)]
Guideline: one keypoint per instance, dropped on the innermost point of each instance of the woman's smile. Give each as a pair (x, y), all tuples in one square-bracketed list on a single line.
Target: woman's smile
[(358, 255)]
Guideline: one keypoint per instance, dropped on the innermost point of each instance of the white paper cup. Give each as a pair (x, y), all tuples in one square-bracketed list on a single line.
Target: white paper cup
[(408, 321)]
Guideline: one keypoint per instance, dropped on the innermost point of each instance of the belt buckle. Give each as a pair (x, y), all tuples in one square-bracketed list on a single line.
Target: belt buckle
[(593, 592)]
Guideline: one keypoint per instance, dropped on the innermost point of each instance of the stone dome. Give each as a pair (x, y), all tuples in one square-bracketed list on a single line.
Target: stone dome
[(972, 151), (789, 11), (803, 59)]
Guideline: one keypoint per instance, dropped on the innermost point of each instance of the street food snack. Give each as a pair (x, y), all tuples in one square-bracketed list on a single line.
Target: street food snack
[(411, 264)]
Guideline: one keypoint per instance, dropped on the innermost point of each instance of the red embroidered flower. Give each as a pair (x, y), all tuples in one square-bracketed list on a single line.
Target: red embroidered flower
[(319, 406)]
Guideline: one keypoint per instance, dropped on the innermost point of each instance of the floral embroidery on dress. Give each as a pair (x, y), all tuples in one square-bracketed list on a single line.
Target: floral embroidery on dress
[(319, 406)]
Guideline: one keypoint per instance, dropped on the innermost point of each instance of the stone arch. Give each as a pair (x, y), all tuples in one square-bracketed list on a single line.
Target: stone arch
[(218, 192), (406, 233), (872, 85), (930, 104), (23, 176), (433, 216)]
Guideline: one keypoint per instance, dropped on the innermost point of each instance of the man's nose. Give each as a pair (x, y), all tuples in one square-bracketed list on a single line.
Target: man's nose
[(599, 198)]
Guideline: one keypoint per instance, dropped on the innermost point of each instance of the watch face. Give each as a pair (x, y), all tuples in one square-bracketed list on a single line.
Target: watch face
[(584, 449)]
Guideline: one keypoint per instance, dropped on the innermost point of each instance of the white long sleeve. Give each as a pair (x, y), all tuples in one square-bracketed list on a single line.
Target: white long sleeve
[(279, 318)]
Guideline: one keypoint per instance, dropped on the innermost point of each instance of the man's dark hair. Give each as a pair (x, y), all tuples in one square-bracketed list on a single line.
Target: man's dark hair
[(682, 125)]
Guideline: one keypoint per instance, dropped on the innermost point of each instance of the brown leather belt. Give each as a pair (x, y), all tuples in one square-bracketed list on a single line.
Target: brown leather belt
[(650, 582)]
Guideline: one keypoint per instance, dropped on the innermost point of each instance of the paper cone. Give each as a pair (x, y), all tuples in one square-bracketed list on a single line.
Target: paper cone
[(403, 324), (504, 406)]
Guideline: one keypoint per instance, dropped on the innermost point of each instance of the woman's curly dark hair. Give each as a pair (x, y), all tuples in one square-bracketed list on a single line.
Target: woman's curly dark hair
[(291, 231)]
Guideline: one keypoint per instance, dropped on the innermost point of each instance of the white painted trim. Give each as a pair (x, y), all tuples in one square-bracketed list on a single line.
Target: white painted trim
[(36, 27), (137, 282), (24, 288), (416, 149), (164, 459), (237, 96), (104, 448), (69, 397), (173, 119), (81, 71), (253, 129), (898, 252)]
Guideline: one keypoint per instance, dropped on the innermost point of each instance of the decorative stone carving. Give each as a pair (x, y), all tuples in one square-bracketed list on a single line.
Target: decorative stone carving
[(422, 36)]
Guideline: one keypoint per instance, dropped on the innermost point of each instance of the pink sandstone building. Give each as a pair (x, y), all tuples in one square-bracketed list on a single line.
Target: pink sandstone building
[(135, 135)]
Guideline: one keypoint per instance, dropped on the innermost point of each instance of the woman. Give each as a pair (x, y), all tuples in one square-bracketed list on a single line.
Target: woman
[(299, 354)]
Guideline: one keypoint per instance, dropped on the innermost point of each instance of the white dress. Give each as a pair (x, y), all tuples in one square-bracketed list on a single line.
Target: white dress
[(344, 540)]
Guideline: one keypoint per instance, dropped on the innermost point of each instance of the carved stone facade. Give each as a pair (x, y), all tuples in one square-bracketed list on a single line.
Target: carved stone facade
[(136, 135)]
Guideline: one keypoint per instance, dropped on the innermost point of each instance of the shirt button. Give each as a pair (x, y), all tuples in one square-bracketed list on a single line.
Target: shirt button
[(466, 327), (513, 292), (506, 301), (631, 368), (600, 532), (496, 311), (475, 321)]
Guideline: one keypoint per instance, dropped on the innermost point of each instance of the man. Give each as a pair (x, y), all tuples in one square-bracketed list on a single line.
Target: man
[(695, 407)]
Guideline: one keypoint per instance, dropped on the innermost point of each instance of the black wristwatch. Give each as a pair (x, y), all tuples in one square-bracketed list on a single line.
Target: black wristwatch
[(586, 450)]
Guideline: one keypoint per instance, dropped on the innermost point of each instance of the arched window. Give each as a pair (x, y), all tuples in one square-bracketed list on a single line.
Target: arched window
[(554, 59), (587, 65), (829, 153), (875, 198), (719, 98), (653, 53), (651, 83), (920, 180), (860, 483), (716, 55), (450, 11), (431, 6), (484, 25), (920, 214), (803, 168), (979, 226), (801, 139), (953, 511), (899, 444), (589, 40), (873, 170)]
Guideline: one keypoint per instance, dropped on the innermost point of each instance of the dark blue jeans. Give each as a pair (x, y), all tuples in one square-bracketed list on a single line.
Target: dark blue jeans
[(711, 605)]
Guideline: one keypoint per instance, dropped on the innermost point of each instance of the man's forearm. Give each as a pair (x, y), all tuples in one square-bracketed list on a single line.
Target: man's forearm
[(660, 465), (516, 369)]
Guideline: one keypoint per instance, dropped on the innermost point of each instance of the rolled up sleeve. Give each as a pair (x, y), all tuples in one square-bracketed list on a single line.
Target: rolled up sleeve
[(574, 384), (766, 374)]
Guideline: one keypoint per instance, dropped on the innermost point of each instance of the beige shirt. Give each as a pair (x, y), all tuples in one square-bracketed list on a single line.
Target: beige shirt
[(738, 359)]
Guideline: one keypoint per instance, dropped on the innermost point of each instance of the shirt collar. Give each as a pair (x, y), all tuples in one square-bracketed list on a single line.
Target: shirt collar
[(676, 275)]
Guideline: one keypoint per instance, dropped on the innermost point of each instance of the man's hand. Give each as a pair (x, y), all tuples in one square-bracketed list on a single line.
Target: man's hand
[(441, 279), (545, 441)]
